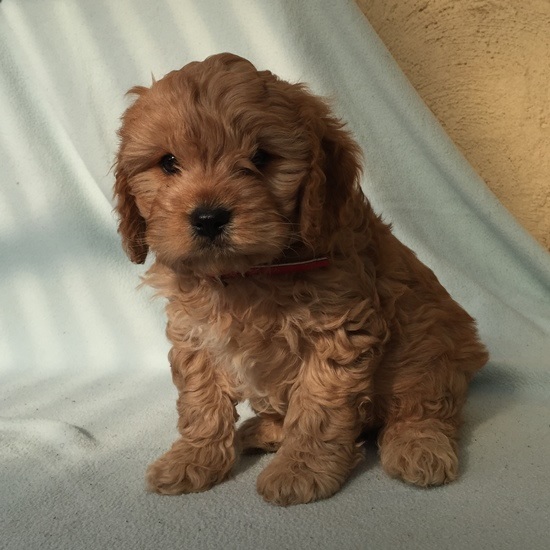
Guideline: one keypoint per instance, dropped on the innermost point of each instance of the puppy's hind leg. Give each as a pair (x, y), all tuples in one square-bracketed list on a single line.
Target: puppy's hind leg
[(422, 452), (419, 441)]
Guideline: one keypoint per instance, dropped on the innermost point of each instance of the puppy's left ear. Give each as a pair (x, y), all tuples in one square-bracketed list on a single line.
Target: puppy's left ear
[(132, 225), (334, 179)]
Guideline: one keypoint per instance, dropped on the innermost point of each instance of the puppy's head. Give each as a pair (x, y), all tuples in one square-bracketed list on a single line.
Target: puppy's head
[(222, 167)]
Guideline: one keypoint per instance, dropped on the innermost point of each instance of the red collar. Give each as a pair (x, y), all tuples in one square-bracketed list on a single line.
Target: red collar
[(280, 269)]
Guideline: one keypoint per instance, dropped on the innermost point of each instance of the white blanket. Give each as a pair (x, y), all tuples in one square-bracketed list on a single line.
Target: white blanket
[(86, 400)]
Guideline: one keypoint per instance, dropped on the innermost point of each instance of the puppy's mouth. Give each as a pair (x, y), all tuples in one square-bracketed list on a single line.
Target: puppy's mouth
[(216, 260), (220, 258), (226, 241), (219, 255), (215, 240)]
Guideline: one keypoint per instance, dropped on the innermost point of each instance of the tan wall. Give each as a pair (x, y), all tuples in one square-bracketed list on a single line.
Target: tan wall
[(483, 68)]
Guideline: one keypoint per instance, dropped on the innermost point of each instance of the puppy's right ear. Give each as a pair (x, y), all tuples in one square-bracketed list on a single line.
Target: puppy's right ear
[(132, 225)]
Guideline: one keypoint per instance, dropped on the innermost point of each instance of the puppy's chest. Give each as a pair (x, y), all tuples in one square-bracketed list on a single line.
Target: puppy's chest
[(260, 345), (259, 341), (265, 335)]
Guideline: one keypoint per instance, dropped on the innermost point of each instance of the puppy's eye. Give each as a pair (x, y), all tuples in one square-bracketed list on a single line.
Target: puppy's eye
[(260, 158), (169, 164)]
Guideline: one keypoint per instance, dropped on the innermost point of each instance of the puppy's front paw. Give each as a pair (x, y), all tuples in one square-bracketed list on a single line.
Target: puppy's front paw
[(186, 469), (288, 481)]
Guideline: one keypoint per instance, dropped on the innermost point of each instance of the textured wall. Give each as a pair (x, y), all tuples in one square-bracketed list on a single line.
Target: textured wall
[(483, 67)]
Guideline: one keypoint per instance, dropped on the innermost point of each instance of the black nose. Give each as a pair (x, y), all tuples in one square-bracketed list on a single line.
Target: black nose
[(209, 222)]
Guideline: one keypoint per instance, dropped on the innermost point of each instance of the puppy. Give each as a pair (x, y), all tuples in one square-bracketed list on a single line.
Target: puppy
[(284, 288)]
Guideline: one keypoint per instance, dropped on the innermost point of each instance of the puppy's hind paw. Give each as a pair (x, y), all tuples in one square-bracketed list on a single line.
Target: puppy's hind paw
[(419, 456), (260, 433)]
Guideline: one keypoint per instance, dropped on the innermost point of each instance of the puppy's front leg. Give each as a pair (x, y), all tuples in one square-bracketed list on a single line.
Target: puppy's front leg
[(205, 452), (319, 448)]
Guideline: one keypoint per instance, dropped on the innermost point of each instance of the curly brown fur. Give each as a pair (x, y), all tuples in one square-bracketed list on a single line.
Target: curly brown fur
[(372, 340)]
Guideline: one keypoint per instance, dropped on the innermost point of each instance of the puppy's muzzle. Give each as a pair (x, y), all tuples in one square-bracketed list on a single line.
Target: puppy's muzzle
[(209, 222)]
